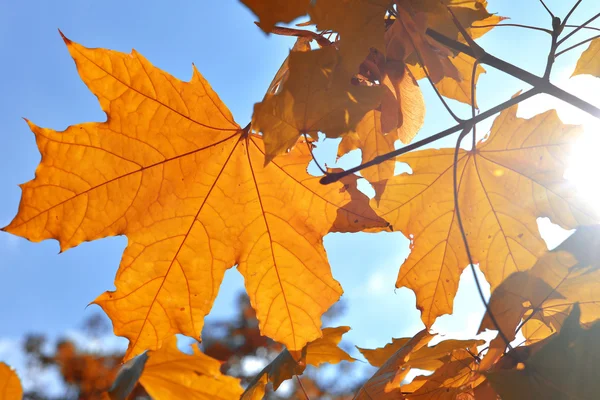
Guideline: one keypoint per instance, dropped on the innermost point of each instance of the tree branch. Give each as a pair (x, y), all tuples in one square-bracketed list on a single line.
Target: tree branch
[(540, 84), (334, 177)]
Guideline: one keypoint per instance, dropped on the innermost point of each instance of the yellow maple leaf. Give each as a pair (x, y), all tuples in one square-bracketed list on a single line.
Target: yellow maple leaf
[(454, 81), (271, 12), (10, 385), (172, 170), (455, 376), (287, 364), (316, 97), (459, 90), (589, 62), (171, 374), (504, 185), (385, 383), (427, 357), (167, 373)]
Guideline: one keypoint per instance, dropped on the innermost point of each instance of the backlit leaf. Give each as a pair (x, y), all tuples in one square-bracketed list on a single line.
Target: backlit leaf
[(271, 12), (315, 98), (455, 376), (171, 374), (459, 90), (544, 294), (589, 62), (287, 364), (509, 181), (385, 383), (360, 24), (172, 170)]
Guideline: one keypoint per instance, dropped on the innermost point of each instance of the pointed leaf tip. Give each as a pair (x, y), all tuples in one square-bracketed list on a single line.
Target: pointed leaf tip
[(66, 39)]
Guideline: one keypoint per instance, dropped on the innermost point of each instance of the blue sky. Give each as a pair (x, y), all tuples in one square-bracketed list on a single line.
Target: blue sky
[(43, 291)]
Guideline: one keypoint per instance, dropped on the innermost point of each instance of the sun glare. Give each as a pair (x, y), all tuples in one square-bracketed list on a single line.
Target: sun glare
[(584, 167)]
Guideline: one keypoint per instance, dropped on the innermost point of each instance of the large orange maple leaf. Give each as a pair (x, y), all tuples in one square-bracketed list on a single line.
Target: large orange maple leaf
[(504, 185), (172, 170)]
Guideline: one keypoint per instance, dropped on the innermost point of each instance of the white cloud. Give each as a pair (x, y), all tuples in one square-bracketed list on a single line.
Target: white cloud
[(102, 344), (47, 381)]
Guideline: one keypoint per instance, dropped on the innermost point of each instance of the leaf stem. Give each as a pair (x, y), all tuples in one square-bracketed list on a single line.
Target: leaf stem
[(309, 145), (426, 70), (302, 387), (464, 133)]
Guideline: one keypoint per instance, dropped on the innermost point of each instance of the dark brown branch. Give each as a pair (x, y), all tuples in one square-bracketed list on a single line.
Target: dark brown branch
[(539, 83), (333, 177)]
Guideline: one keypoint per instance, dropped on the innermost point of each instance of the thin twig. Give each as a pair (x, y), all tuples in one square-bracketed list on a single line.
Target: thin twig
[(426, 70), (578, 28), (335, 176), (583, 27), (570, 12), (547, 9), (309, 145), (577, 45), (302, 387), (535, 28)]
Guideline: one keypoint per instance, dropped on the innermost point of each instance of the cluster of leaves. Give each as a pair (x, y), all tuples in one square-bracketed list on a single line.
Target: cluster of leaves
[(197, 194)]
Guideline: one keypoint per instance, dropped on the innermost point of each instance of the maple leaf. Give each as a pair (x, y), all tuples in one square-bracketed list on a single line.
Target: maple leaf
[(471, 14), (302, 44), (167, 373), (566, 367), (406, 37), (313, 99), (451, 73), (360, 24), (172, 170), (271, 12), (504, 185), (171, 374), (287, 364), (10, 385), (545, 294), (427, 357), (588, 63), (385, 383), (457, 375), (448, 87)]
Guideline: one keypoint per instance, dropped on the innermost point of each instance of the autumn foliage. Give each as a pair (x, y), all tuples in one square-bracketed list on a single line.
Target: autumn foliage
[(196, 194)]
